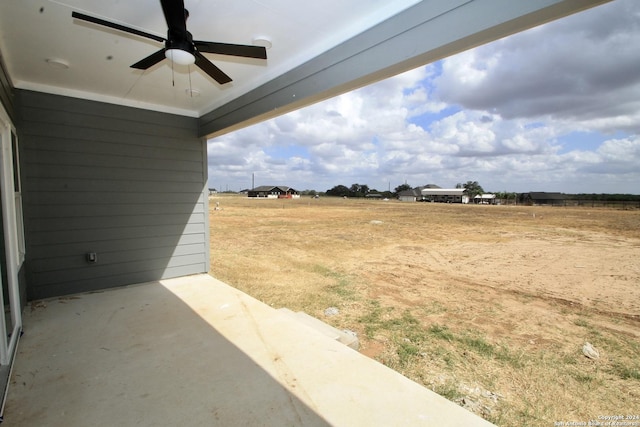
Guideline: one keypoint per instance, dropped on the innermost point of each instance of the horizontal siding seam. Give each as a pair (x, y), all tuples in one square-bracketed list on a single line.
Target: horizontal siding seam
[(120, 157), (163, 143), (70, 283), (103, 254), (97, 242), (118, 113)]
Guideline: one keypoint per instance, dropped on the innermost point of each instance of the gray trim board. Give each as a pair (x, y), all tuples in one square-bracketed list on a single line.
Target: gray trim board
[(6, 89), (205, 198), (428, 31), (125, 183)]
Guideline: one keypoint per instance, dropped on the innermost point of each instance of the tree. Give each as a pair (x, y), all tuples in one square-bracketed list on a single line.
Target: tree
[(357, 190), (472, 188), (339, 191), (506, 196), (400, 188)]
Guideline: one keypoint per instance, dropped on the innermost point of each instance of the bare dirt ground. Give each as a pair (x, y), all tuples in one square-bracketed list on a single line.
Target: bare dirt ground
[(489, 306)]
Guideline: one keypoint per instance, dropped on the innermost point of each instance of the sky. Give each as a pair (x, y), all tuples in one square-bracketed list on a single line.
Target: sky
[(555, 108)]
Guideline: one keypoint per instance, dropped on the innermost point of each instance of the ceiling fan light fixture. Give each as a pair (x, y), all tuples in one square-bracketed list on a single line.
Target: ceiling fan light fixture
[(180, 56)]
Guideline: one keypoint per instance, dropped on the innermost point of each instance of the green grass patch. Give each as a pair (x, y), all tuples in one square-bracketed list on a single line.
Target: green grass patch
[(407, 351), (380, 318), (372, 320), (448, 390), (479, 345), (342, 285), (505, 355), (581, 322), (411, 338), (583, 378), (441, 332), (625, 372), (434, 307)]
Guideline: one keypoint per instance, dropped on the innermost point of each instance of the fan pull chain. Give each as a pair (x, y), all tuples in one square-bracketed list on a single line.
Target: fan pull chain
[(173, 77), (190, 87)]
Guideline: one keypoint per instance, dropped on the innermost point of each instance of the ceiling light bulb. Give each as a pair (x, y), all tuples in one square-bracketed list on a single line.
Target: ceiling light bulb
[(180, 56)]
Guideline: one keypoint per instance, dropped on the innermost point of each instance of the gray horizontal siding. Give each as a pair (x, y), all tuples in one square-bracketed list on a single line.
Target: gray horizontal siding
[(95, 198), (70, 249), (125, 183), (59, 270), (113, 173), (113, 185), (52, 238), (63, 135), (135, 275), (109, 210), (103, 223)]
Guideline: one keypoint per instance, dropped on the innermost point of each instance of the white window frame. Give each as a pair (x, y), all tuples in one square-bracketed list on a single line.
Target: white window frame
[(14, 250)]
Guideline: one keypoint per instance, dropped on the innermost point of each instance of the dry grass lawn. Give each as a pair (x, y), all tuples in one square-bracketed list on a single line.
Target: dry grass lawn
[(489, 306)]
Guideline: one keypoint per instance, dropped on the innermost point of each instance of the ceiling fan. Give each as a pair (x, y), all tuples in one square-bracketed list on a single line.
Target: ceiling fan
[(179, 45)]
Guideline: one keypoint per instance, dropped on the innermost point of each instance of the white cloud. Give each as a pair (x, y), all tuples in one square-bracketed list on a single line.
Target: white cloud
[(498, 114), (579, 69)]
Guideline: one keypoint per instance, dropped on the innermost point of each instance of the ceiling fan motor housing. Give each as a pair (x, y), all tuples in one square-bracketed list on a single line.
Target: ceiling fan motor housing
[(180, 40)]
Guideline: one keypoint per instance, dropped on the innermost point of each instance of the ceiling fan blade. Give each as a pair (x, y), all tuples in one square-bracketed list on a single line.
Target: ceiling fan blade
[(115, 26), (207, 66), (150, 60), (175, 15), (247, 51)]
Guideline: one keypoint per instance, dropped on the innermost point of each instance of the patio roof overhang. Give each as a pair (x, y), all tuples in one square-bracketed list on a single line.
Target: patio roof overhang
[(317, 53)]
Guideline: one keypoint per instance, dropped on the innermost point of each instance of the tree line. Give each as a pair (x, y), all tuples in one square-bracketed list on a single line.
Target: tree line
[(616, 197), (473, 188), (359, 190)]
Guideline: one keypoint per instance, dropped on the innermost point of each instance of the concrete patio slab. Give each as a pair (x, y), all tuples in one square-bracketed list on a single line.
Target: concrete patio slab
[(326, 329), (195, 351)]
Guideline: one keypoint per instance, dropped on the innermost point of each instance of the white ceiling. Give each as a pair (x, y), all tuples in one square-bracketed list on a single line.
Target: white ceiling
[(99, 59)]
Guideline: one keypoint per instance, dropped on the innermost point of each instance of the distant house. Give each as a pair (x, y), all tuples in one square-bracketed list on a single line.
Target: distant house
[(412, 195), (445, 195), (485, 199), (542, 198), (274, 192)]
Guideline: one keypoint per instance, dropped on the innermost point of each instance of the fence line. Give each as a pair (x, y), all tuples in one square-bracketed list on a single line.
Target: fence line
[(612, 204)]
